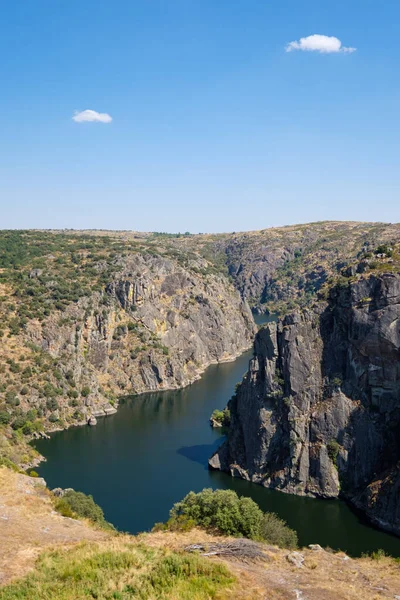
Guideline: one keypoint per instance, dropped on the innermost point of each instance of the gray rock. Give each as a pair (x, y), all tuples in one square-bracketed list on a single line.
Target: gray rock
[(316, 548), (296, 559), (318, 411), (181, 321)]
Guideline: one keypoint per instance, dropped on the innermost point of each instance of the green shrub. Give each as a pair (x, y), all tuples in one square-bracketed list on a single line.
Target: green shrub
[(229, 514), (180, 523), (277, 532), (5, 418), (12, 399), (223, 417), (52, 404), (375, 555), (85, 391), (333, 450), (19, 422), (83, 506), (64, 508)]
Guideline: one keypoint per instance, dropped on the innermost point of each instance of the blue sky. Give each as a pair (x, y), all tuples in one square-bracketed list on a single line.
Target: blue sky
[(215, 126)]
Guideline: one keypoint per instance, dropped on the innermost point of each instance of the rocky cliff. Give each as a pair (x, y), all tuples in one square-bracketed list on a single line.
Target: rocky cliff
[(318, 412), (283, 267), (156, 326), (88, 320)]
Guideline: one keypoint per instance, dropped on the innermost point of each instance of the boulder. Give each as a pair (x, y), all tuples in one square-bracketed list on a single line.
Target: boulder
[(296, 559)]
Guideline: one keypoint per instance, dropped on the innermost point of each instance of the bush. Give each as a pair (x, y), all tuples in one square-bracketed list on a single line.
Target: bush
[(277, 532), (5, 418), (223, 417), (27, 428), (85, 391), (19, 422), (225, 512), (82, 505), (64, 508), (12, 399), (52, 404), (333, 450)]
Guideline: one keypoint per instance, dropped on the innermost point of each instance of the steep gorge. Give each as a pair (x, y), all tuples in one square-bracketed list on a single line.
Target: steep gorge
[(88, 317), (318, 412), (156, 326)]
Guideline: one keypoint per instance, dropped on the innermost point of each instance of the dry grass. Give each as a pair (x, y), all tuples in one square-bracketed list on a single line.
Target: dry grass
[(69, 553), (28, 524), (122, 568), (325, 576)]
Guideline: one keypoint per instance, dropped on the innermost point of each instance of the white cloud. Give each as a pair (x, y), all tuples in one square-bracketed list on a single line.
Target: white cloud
[(319, 43), (91, 116)]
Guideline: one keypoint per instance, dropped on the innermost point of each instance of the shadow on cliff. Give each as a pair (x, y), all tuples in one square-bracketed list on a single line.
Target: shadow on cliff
[(202, 452)]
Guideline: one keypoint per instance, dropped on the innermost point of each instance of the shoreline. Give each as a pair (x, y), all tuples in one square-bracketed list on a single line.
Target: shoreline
[(101, 414)]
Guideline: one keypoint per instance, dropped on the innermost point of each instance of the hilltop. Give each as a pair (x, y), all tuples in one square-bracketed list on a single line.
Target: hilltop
[(45, 556)]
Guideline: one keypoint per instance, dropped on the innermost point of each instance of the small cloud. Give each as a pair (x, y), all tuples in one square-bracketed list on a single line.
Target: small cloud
[(91, 116), (319, 43)]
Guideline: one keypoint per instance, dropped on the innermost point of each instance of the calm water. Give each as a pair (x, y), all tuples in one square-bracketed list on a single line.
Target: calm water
[(154, 450)]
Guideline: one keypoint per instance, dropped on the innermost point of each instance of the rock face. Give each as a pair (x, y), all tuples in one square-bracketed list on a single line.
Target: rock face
[(156, 326), (279, 266), (318, 412)]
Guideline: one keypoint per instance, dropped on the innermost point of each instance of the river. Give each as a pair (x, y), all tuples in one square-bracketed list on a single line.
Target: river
[(154, 450)]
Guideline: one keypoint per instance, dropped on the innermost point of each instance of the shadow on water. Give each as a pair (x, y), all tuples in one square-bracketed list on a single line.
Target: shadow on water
[(138, 462), (201, 453)]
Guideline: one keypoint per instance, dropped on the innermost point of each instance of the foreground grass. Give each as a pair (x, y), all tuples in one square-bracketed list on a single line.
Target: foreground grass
[(118, 570)]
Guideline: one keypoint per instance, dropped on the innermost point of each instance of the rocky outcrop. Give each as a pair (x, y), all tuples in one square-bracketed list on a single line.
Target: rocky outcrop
[(280, 268), (318, 412), (156, 326)]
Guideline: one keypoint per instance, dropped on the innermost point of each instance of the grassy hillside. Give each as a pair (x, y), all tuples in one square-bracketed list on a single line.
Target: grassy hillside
[(45, 556)]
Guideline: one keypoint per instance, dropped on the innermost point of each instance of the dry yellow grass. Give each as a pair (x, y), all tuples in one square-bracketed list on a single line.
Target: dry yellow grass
[(324, 576), (29, 526)]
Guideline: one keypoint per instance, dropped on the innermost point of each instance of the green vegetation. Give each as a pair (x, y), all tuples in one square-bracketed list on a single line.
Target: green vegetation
[(77, 504), (61, 280), (121, 571), (333, 450), (226, 513), (222, 417), (377, 555)]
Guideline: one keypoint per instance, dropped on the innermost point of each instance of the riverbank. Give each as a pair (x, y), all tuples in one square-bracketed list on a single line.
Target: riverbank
[(155, 449)]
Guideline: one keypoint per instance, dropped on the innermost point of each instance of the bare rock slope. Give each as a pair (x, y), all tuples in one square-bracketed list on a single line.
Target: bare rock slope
[(318, 412)]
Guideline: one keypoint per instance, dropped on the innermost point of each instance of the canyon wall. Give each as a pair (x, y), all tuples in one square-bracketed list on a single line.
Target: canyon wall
[(318, 412)]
